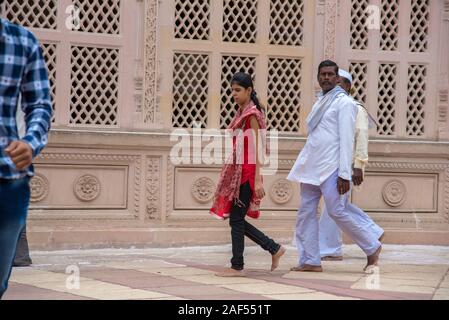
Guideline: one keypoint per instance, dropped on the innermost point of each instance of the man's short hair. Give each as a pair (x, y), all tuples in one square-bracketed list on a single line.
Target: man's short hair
[(328, 63)]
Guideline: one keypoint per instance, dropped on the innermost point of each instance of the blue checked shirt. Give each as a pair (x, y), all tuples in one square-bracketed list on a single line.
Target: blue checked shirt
[(24, 78)]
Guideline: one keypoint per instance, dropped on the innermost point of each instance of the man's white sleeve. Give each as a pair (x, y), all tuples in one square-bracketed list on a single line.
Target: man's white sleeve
[(347, 114), (361, 139)]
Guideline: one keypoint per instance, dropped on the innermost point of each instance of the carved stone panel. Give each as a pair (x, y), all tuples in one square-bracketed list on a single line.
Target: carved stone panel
[(281, 194), (281, 191), (82, 187), (153, 187), (87, 187), (203, 189), (394, 193), (397, 192), (39, 187)]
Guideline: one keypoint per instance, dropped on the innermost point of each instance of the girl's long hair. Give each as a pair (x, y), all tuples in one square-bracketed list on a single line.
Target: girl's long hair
[(244, 79)]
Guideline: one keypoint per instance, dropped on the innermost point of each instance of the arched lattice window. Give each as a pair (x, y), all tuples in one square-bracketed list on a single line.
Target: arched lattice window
[(391, 76), (212, 40)]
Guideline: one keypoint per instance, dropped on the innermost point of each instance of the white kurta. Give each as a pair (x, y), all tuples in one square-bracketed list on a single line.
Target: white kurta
[(329, 146)]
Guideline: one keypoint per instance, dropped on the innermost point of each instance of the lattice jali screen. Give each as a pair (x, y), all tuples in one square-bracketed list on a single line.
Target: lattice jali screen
[(229, 66), (284, 94), (287, 22), (49, 50), (240, 21), (359, 72), (389, 25), (192, 19), (94, 86), (32, 13), (387, 87), (359, 28), (416, 99), (419, 27), (99, 16), (190, 89)]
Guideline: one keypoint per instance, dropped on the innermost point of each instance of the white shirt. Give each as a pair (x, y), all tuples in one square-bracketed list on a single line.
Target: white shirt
[(329, 146)]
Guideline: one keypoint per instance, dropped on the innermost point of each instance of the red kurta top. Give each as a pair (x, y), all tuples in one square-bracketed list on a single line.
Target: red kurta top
[(222, 205), (249, 164)]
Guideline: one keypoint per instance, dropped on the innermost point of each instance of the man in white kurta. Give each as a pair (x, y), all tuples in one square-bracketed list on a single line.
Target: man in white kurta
[(330, 235), (324, 168)]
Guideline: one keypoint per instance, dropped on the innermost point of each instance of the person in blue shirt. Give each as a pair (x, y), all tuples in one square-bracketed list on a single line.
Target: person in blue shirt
[(23, 77)]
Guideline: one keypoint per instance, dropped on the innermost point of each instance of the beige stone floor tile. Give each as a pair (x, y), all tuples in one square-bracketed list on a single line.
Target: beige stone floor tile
[(384, 281), (214, 280), (408, 268), (168, 298), (177, 271), (131, 294), (323, 276), (102, 290), (39, 277), (343, 266), (363, 284), (408, 289), (61, 286), (27, 271), (88, 287), (266, 288), (308, 296), (442, 292), (445, 282), (146, 264), (412, 276)]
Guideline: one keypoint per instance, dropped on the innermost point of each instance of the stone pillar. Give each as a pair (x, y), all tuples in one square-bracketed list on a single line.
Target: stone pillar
[(151, 116), (330, 29), (443, 90), (325, 35)]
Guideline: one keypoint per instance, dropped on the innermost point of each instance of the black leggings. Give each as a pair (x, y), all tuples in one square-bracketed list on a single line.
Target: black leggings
[(241, 228)]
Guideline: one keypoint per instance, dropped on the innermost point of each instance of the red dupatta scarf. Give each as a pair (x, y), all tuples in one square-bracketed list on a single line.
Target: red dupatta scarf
[(228, 189)]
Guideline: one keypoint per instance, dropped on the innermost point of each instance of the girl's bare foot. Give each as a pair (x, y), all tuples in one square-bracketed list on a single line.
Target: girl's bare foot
[(276, 257)]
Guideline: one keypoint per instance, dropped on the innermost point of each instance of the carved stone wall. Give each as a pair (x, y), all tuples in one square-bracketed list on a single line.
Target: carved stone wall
[(120, 88)]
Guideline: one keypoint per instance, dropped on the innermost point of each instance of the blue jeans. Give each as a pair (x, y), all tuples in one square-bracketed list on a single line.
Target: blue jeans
[(14, 202)]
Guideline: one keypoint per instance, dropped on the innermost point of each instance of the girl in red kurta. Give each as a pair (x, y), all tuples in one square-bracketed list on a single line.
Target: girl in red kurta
[(240, 188)]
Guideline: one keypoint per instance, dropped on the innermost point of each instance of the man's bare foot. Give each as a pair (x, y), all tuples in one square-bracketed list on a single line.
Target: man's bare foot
[(276, 257), (332, 258), (381, 238), (229, 272), (307, 268), (373, 259)]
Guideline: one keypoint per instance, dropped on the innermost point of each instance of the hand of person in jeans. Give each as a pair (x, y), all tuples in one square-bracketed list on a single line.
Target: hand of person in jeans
[(21, 154)]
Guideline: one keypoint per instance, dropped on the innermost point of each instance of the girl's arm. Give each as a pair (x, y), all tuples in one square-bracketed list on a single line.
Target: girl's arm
[(258, 186)]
